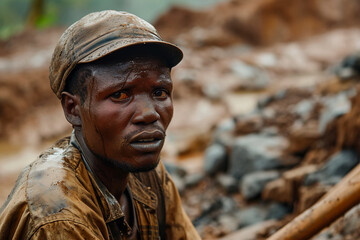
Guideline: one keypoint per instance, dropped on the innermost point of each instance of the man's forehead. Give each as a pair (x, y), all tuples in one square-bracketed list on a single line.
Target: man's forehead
[(130, 63)]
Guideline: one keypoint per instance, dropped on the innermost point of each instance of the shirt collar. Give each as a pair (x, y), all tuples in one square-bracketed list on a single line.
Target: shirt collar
[(113, 212)]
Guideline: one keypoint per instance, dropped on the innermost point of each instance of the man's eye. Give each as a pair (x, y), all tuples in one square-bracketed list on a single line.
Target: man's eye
[(160, 94), (118, 96)]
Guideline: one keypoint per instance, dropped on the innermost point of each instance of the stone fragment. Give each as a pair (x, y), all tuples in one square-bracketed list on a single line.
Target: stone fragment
[(252, 184), (227, 182), (193, 179), (301, 139), (228, 222), (334, 169), (304, 108), (174, 169), (251, 215), (278, 190), (285, 189), (215, 159), (277, 211), (255, 152), (179, 183), (334, 107), (251, 77)]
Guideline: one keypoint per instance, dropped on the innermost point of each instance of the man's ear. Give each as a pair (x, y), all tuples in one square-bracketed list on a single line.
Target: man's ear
[(71, 106)]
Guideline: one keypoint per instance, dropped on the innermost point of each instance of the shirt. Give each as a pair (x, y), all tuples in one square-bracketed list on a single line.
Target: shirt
[(58, 197)]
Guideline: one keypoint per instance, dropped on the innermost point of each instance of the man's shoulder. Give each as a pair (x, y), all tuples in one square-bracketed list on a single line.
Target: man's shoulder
[(51, 187), (53, 180)]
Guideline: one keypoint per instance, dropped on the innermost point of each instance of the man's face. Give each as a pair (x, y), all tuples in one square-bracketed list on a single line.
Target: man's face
[(126, 112)]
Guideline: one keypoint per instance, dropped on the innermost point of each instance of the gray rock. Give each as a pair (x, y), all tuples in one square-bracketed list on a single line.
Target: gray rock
[(215, 159), (259, 213), (277, 211), (228, 205), (251, 215), (193, 179), (212, 91), (304, 108), (281, 94), (229, 183), (252, 77), (349, 67), (252, 184), (270, 131), (179, 183), (334, 169), (174, 169), (228, 222), (334, 107), (256, 152)]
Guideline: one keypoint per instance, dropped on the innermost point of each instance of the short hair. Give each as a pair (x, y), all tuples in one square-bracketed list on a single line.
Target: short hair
[(76, 82)]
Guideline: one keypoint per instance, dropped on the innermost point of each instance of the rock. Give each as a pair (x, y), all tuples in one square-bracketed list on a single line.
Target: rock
[(174, 169), (337, 167), (224, 132), (278, 190), (215, 159), (304, 108), (303, 138), (227, 182), (349, 67), (252, 78), (285, 189), (179, 183), (212, 91), (255, 152), (277, 211), (193, 179), (251, 215), (334, 107), (252, 184), (249, 123), (228, 205), (270, 131), (228, 222), (266, 60)]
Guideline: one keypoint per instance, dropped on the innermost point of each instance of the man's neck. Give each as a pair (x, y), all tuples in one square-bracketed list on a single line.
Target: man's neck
[(112, 177)]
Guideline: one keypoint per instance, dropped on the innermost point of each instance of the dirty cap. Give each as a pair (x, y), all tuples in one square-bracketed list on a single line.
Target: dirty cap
[(100, 33)]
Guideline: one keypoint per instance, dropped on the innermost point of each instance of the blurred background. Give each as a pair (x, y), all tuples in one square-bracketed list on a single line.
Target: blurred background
[(266, 103)]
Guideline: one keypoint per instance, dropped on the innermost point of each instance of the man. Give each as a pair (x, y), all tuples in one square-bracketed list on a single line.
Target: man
[(111, 71)]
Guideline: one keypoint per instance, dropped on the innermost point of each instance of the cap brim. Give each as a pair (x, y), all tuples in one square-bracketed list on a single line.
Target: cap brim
[(171, 52)]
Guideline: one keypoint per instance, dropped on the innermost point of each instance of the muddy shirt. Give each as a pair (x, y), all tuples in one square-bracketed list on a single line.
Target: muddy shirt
[(57, 197)]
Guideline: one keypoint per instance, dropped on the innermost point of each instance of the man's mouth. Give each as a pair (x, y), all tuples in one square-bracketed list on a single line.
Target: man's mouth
[(148, 141)]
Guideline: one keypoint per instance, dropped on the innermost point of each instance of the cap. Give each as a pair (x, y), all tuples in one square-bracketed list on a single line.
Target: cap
[(98, 34)]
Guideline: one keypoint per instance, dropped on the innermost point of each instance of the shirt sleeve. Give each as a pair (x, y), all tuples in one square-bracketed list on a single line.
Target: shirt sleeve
[(65, 230), (178, 224)]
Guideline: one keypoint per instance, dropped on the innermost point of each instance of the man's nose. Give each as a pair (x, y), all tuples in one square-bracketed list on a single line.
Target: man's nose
[(145, 112)]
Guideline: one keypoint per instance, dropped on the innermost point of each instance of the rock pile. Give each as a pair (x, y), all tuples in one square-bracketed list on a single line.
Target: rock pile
[(276, 161)]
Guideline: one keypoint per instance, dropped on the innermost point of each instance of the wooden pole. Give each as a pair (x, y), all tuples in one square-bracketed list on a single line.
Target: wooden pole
[(341, 198)]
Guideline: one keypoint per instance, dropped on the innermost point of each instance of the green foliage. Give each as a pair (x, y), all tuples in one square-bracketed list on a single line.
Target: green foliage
[(13, 13)]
